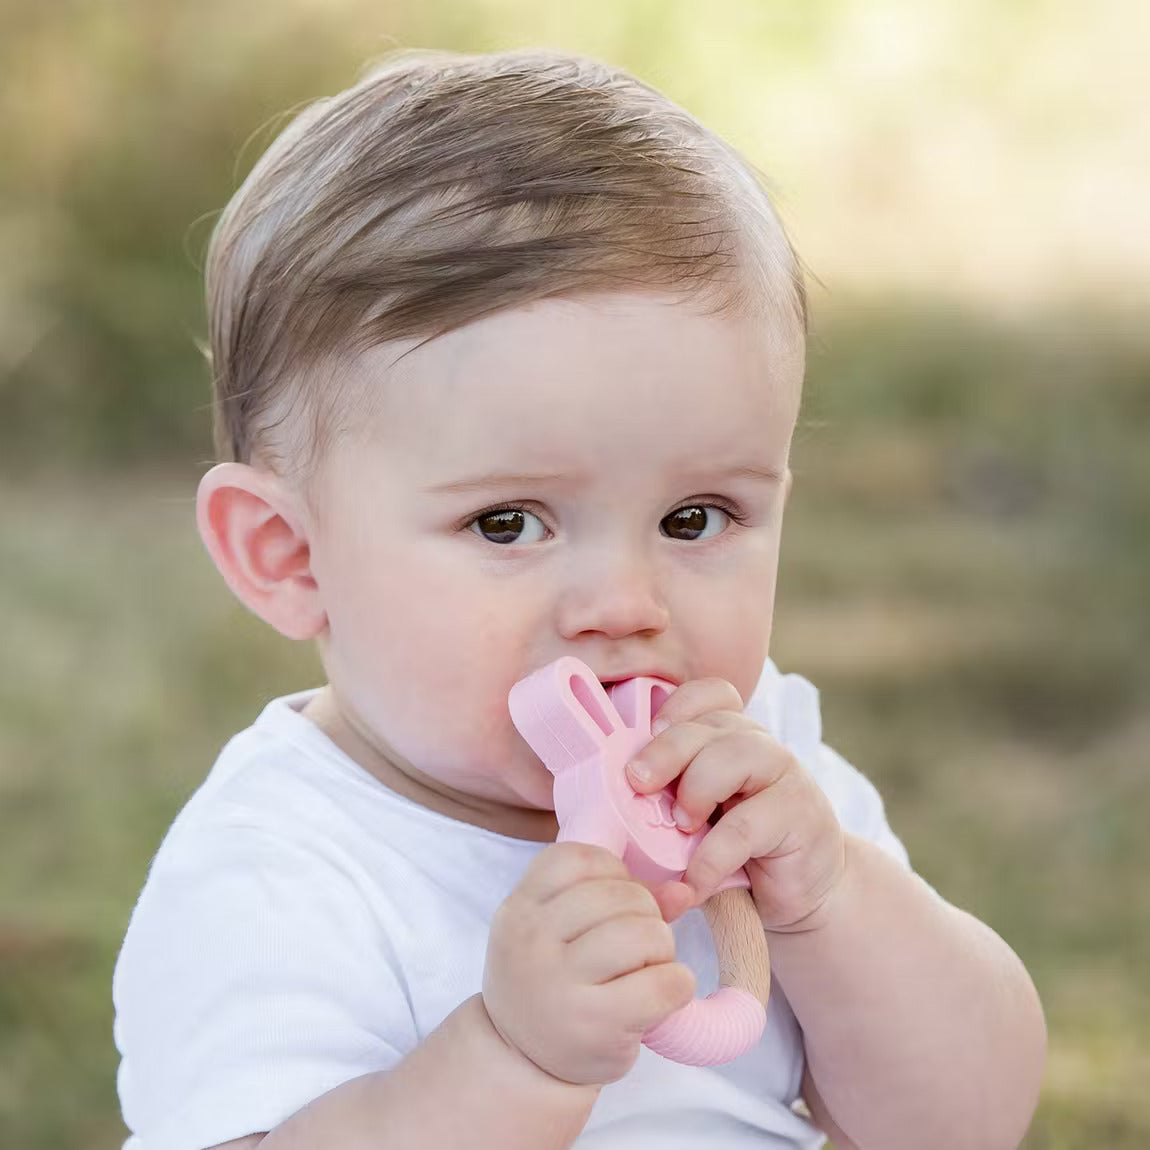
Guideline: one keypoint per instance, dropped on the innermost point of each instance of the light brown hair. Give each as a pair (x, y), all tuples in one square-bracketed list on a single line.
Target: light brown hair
[(445, 187)]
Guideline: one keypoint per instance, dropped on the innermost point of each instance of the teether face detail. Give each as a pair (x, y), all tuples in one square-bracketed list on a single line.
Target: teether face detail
[(655, 810)]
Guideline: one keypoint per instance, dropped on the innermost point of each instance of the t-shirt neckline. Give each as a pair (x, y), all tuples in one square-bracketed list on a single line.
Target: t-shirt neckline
[(283, 718)]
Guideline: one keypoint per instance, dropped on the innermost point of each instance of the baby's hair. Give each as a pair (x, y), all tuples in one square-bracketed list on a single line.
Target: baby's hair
[(445, 187)]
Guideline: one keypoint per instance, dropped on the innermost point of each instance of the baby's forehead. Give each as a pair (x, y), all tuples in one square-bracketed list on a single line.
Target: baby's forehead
[(622, 382), (558, 342)]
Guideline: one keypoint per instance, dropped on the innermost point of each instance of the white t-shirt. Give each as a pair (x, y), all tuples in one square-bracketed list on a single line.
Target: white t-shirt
[(302, 925)]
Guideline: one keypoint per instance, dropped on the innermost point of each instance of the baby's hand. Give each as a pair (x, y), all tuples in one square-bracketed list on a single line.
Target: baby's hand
[(580, 963), (775, 819)]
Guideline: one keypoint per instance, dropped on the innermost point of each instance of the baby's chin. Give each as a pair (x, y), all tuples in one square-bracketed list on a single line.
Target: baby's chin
[(539, 792), (530, 785)]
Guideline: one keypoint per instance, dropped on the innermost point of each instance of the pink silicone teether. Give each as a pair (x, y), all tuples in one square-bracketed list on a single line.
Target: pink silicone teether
[(586, 736)]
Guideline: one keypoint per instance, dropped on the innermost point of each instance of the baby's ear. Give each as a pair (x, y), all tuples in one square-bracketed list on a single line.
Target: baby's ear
[(255, 532)]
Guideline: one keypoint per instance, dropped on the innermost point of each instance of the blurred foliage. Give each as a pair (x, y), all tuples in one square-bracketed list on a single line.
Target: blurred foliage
[(967, 549), (981, 148)]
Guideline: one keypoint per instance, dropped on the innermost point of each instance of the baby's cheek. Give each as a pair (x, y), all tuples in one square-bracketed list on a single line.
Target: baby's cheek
[(747, 665), (439, 727), (746, 686), (741, 669)]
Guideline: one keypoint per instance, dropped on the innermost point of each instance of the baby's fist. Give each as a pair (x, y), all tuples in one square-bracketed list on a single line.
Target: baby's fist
[(580, 964)]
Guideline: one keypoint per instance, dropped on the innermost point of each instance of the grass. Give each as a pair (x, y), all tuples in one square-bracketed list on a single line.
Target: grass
[(964, 576)]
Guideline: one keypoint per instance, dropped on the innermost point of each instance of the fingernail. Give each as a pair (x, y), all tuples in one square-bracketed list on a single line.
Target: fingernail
[(639, 772), (682, 819), (659, 726)]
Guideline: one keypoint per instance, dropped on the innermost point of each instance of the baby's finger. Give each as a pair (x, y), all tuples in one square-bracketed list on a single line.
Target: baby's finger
[(694, 698), (666, 756), (562, 865), (645, 997), (755, 828), (674, 899), (619, 946), (736, 763), (580, 908)]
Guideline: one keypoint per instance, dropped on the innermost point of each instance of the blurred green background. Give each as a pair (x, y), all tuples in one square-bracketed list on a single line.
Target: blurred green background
[(968, 546)]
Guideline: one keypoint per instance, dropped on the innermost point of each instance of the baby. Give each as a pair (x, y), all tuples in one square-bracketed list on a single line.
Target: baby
[(508, 354)]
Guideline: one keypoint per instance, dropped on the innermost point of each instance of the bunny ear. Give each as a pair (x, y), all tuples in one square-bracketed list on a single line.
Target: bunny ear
[(639, 698), (563, 713)]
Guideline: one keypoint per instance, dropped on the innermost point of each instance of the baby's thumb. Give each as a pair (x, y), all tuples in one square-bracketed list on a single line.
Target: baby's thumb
[(674, 898)]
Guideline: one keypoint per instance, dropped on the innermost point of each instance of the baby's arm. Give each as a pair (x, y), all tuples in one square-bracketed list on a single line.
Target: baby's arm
[(462, 1086), (580, 964), (921, 1026)]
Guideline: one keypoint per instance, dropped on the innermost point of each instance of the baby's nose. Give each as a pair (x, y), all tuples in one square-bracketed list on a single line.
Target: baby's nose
[(621, 601)]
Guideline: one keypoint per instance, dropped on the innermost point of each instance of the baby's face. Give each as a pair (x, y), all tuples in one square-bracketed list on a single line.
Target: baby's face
[(601, 477)]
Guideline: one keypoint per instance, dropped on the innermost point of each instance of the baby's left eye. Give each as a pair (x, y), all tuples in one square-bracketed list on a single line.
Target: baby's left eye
[(507, 525), (692, 522)]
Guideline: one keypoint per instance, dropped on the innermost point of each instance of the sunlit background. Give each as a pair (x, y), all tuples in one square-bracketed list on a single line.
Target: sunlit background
[(968, 547)]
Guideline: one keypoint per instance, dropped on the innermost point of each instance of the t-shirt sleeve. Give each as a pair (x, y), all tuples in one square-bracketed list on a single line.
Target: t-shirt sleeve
[(788, 705), (856, 801), (253, 979)]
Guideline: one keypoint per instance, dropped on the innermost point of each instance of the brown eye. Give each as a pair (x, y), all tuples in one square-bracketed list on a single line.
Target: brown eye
[(506, 525), (690, 523)]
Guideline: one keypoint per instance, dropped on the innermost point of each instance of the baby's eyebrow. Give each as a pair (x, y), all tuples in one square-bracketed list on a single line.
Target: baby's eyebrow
[(484, 482), (763, 474)]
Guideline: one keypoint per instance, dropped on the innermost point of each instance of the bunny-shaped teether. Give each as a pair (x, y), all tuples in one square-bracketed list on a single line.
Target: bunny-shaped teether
[(586, 737)]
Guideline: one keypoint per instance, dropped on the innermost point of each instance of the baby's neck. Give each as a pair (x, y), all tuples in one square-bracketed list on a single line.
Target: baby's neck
[(324, 710)]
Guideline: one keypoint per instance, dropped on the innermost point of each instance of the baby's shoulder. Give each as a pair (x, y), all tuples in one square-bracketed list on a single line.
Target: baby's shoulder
[(261, 859), (789, 706), (271, 802)]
